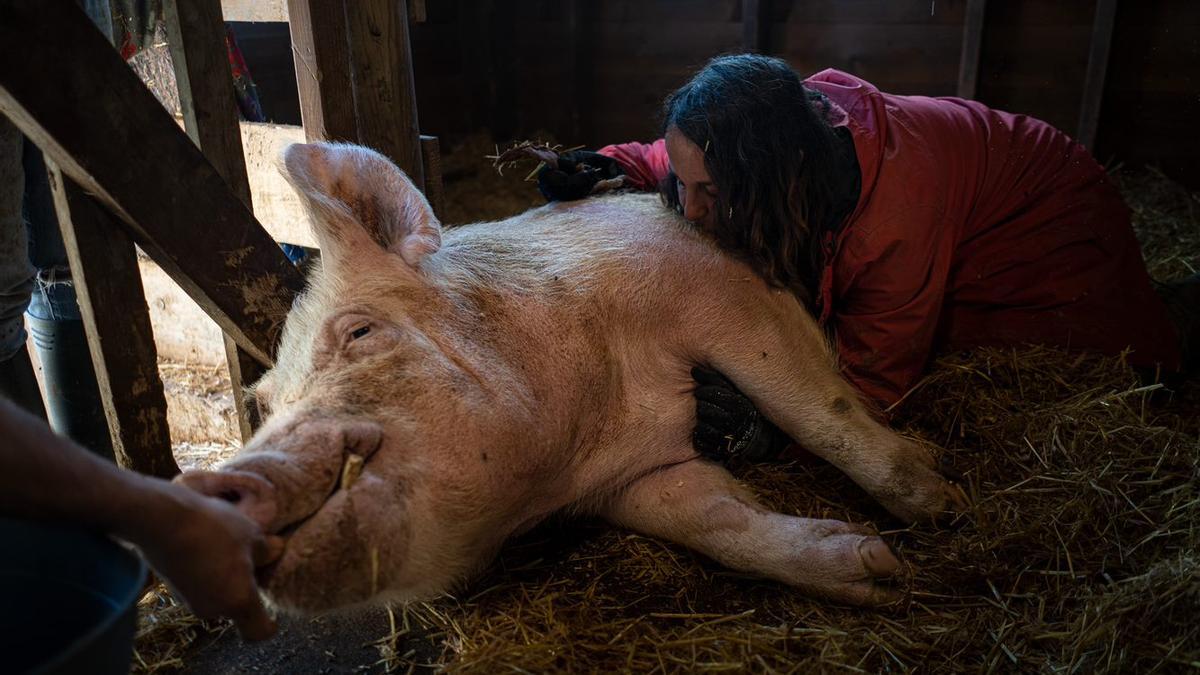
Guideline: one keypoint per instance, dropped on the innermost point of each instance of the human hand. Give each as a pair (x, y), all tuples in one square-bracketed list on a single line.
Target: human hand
[(727, 423), (208, 552), (577, 174)]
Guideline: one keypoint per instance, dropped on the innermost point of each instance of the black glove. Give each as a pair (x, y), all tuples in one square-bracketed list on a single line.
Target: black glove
[(728, 425), (576, 174)]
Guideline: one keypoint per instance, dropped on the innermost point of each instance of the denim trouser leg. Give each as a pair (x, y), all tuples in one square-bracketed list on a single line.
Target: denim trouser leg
[(54, 297), (16, 274)]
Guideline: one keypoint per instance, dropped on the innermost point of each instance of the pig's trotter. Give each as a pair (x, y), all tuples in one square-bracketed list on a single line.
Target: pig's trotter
[(915, 491), (698, 504)]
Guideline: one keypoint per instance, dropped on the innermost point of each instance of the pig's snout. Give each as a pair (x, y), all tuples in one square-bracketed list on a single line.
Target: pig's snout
[(253, 495), (289, 471)]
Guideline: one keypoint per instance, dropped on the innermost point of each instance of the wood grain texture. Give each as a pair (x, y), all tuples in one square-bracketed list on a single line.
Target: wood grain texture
[(107, 132), (196, 35), (112, 303)]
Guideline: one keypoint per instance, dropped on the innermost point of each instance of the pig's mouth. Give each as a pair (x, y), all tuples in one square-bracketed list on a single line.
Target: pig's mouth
[(353, 466)]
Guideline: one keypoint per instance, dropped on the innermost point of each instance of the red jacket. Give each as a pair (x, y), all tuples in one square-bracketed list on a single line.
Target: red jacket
[(974, 227)]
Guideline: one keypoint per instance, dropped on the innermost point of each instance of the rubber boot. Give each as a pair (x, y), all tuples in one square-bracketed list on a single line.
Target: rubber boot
[(73, 403), (19, 384)]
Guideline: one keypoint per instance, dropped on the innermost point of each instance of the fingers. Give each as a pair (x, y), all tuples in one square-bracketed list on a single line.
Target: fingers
[(253, 622), (266, 550)]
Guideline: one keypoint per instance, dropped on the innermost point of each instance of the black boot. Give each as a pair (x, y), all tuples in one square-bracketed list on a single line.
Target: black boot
[(72, 395), (19, 384)]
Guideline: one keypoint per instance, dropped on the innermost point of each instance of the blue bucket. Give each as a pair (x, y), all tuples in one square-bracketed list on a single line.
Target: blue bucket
[(68, 600)]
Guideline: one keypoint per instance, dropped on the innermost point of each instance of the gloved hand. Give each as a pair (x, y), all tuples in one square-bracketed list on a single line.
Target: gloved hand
[(728, 425), (577, 174)]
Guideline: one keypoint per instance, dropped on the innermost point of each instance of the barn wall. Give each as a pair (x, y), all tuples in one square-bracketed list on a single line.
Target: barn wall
[(595, 72)]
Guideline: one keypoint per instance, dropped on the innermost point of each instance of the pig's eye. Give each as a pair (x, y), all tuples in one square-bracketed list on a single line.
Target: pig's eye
[(359, 332)]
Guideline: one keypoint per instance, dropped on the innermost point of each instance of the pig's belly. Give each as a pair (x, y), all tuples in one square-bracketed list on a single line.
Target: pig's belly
[(659, 414)]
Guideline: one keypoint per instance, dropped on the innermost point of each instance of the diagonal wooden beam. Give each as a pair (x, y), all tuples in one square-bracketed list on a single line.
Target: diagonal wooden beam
[(90, 114), (196, 35)]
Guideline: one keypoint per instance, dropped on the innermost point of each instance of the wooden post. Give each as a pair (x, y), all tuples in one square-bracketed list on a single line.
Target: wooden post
[(1093, 81), (196, 35), (108, 133), (756, 26), (385, 100), (431, 160), (968, 64), (355, 77), (112, 302), (322, 57)]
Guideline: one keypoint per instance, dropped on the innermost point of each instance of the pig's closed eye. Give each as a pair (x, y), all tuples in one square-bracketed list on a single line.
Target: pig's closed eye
[(359, 332)]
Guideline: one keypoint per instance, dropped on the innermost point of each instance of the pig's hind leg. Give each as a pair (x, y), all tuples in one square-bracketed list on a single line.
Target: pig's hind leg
[(700, 505), (775, 354)]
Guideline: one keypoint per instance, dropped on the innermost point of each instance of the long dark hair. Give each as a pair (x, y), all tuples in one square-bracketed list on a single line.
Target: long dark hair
[(771, 156)]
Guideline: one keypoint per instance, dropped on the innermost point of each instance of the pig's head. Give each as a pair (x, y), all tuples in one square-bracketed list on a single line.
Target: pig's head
[(366, 407)]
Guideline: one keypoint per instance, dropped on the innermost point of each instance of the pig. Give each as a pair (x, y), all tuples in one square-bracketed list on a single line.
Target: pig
[(438, 391)]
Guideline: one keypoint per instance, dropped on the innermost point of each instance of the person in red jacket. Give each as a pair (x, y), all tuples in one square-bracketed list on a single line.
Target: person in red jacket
[(909, 225)]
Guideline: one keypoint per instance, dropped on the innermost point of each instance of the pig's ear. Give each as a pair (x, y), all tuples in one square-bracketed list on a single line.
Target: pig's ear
[(357, 196)]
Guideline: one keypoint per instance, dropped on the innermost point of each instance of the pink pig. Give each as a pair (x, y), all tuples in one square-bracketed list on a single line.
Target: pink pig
[(438, 392)]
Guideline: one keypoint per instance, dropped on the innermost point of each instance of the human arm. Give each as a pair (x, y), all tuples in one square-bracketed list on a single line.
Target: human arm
[(204, 547), (645, 164), (894, 277)]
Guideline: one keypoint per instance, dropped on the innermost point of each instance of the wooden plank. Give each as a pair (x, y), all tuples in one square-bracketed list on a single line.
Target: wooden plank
[(107, 132), (1093, 80), (322, 56), (385, 99), (431, 160), (968, 63), (756, 26), (196, 35), (255, 10), (416, 11), (112, 302), (276, 204)]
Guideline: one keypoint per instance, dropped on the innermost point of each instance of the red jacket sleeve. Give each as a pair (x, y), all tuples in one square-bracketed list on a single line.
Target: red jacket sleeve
[(885, 322), (646, 164)]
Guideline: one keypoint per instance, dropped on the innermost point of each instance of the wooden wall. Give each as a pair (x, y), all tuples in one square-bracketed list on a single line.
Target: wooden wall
[(595, 72)]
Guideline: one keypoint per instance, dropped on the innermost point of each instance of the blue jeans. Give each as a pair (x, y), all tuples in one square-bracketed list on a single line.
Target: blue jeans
[(34, 275)]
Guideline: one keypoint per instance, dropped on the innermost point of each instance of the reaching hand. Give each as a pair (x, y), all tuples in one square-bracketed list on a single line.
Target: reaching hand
[(208, 552), (727, 423)]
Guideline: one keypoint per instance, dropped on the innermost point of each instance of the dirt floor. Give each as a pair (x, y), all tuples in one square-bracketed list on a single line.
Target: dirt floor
[(1081, 553)]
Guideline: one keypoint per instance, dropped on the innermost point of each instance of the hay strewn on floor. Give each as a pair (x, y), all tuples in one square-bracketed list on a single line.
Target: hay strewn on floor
[(1081, 554), (1081, 551)]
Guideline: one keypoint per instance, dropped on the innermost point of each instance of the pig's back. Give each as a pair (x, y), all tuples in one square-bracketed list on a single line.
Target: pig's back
[(595, 247)]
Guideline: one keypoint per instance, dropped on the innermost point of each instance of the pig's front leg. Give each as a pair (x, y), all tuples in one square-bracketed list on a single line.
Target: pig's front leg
[(701, 506), (774, 353)]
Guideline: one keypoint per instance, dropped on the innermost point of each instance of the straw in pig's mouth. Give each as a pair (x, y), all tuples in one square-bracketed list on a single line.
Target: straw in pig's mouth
[(352, 468)]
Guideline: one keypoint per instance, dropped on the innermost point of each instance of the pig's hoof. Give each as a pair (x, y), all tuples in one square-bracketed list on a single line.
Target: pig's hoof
[(847, 564), (920, 494)]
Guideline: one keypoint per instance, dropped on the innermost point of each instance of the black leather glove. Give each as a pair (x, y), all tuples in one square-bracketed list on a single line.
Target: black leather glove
[(728, 426), (576, 174)]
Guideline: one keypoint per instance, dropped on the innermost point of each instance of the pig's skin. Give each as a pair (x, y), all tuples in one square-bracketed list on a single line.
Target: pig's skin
[(511, 370)]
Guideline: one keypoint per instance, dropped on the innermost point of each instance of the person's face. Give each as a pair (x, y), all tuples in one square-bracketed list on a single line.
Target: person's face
[(696, 191)]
